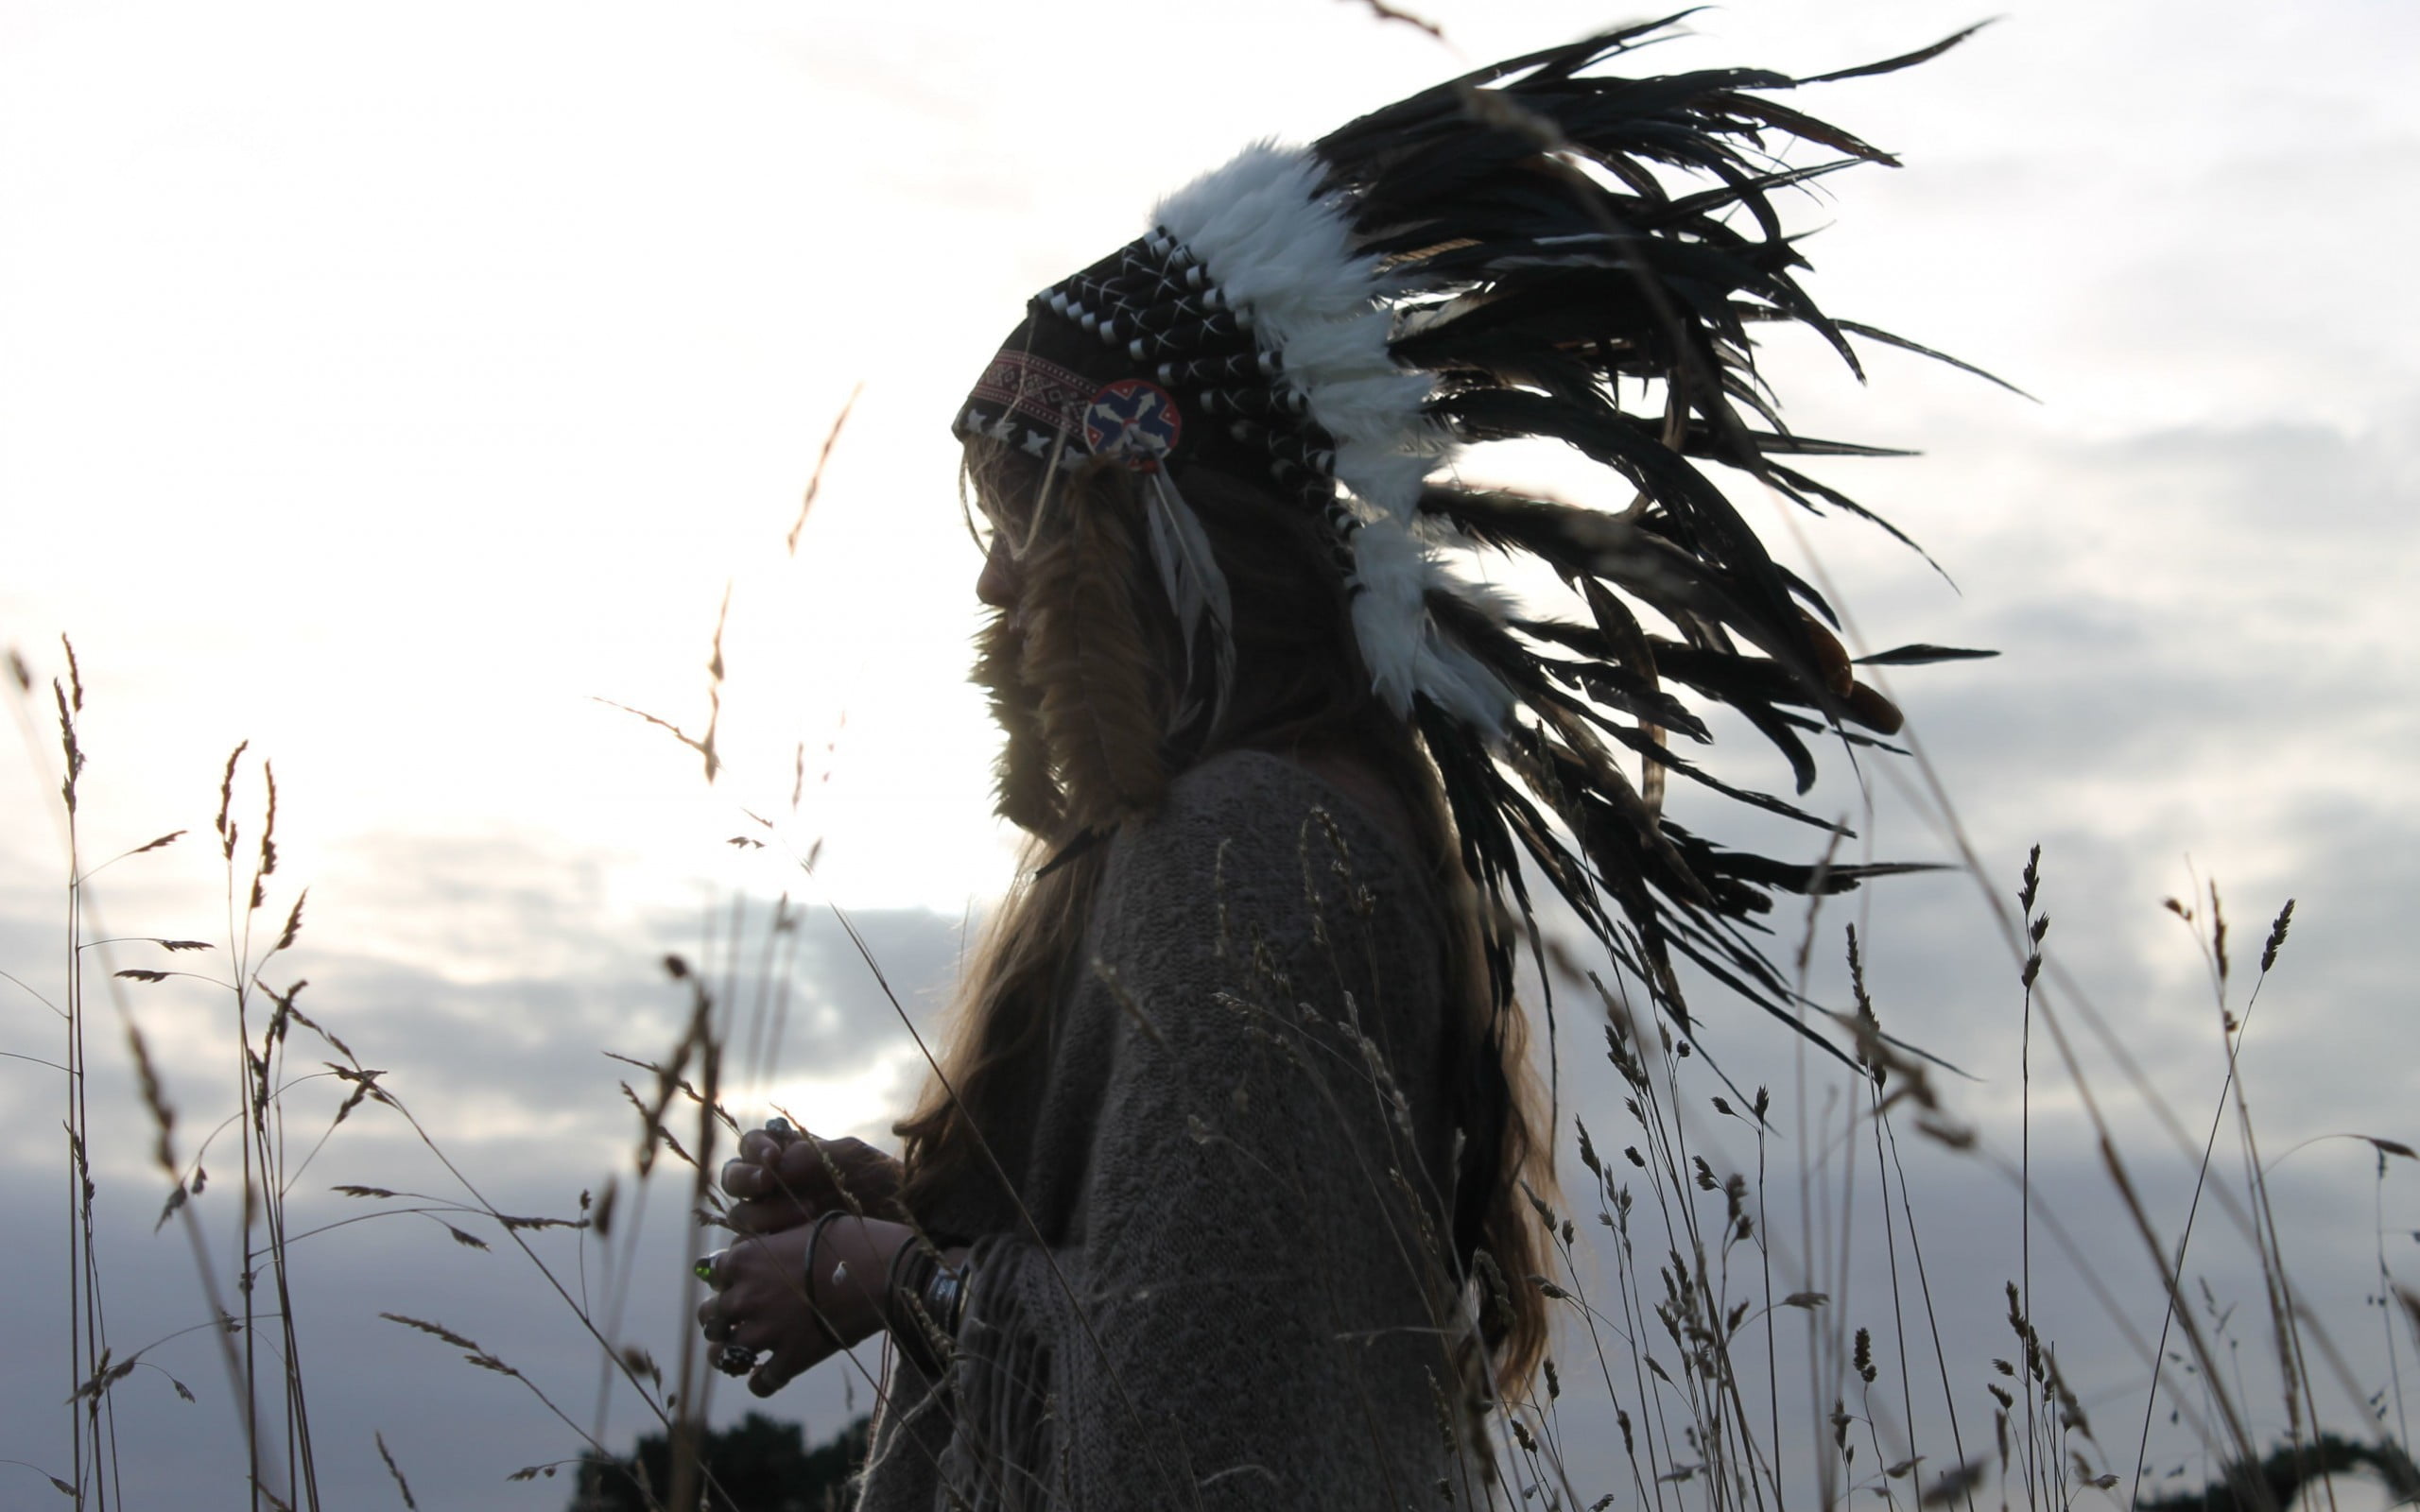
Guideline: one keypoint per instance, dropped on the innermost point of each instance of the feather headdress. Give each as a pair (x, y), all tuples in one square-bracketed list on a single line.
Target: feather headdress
[(1537, 249)]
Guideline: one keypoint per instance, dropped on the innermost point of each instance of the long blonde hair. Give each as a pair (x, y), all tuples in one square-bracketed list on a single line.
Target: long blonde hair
[(1299, 687)]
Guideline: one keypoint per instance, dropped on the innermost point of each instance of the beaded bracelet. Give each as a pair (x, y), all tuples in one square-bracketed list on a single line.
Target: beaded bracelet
[(944, 1298), (925, 1303)]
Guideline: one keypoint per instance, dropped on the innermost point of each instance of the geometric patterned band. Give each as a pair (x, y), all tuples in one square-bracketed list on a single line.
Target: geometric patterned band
[(1044, 392)]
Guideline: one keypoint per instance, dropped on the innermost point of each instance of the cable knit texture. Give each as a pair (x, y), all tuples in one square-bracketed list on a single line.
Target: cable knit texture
[(1225, 1288)]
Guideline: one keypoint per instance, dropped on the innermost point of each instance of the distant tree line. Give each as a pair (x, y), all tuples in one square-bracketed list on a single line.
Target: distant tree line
[(758, 1466), (2285, 1473)]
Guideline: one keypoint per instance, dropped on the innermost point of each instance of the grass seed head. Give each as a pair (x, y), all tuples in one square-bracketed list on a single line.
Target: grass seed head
[(2276, 937)]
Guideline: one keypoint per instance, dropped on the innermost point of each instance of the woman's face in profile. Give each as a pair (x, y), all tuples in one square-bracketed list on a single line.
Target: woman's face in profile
[(1006, 486), (1000, 581)]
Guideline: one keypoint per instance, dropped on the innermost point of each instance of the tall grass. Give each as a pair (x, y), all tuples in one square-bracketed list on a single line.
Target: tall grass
[(278, 1137), (1712, 1353), (1708, 1329), (1717, 1356)]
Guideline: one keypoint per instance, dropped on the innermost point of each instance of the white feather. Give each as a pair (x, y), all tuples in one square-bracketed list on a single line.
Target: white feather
[(1287, 257), (1271, 244), (1196, 589), (1406, 652)]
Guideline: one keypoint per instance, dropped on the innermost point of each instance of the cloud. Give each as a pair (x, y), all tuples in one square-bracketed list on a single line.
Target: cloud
[(475, 437), (457, 1431), (494, 976)]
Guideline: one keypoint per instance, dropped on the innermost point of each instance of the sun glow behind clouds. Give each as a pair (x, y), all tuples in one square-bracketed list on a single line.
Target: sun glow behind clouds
[(385, 387), (374, 399), (381, 389), (387, 391)]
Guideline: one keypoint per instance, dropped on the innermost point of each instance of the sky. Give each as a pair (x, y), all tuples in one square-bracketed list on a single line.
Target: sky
[(400, 390)]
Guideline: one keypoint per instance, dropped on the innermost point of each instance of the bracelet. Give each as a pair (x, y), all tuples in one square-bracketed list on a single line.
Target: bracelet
[(945, 1297), (814, 1244), (925, 1303)]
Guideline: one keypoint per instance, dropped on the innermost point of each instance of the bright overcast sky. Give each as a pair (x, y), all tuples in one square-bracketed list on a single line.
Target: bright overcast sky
[(386, 385)]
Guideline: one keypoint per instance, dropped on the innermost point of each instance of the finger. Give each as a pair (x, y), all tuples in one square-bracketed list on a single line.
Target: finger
[(734, 1360), (774, 1312), (759, 1147), (787, 1365), (805, 1165), (743, 1177), (871, 1176), (858, 1164), (714, 1323), (752, 1333), (848, 1151), (732, 1273), (769, 1216)]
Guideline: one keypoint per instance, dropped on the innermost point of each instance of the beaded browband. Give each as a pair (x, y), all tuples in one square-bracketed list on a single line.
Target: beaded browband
[(1144, 357)]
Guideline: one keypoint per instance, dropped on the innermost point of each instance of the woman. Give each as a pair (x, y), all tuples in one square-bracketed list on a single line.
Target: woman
[(1217, 1197), (1219, 1053)]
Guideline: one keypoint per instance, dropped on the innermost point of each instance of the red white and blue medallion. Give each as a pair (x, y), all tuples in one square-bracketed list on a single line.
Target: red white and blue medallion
[(1133, 420)]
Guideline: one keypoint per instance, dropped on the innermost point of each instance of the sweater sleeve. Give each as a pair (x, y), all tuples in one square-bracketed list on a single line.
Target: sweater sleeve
[(1250, 1311)]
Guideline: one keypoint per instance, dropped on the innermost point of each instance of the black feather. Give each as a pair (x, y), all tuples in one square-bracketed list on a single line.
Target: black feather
[(1578, 255), (1905, 345), (1920, 655)]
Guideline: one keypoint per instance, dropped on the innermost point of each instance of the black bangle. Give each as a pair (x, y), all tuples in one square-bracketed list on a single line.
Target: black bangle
[(814, 1244)]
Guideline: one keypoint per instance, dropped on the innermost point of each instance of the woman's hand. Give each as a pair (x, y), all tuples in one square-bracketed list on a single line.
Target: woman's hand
[(785, 1179), (778, 1310)]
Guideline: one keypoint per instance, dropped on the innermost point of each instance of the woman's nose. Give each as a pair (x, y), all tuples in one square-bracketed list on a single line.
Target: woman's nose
[(1000, 581)]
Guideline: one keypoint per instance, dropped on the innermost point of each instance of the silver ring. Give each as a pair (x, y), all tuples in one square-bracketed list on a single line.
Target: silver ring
[(736, 1360)]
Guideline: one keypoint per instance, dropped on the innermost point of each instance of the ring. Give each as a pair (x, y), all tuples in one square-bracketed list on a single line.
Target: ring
[(736, 1360), (704, 1266), (777, 1125)]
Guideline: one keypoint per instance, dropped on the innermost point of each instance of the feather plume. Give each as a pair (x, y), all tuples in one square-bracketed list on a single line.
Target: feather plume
[(1538, 249), (1196, 590)]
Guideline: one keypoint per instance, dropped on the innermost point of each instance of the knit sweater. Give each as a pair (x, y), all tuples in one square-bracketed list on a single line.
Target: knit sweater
[(1225, 1289)]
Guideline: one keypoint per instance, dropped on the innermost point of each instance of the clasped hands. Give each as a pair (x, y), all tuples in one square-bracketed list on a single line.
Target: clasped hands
[(809, 1273)]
